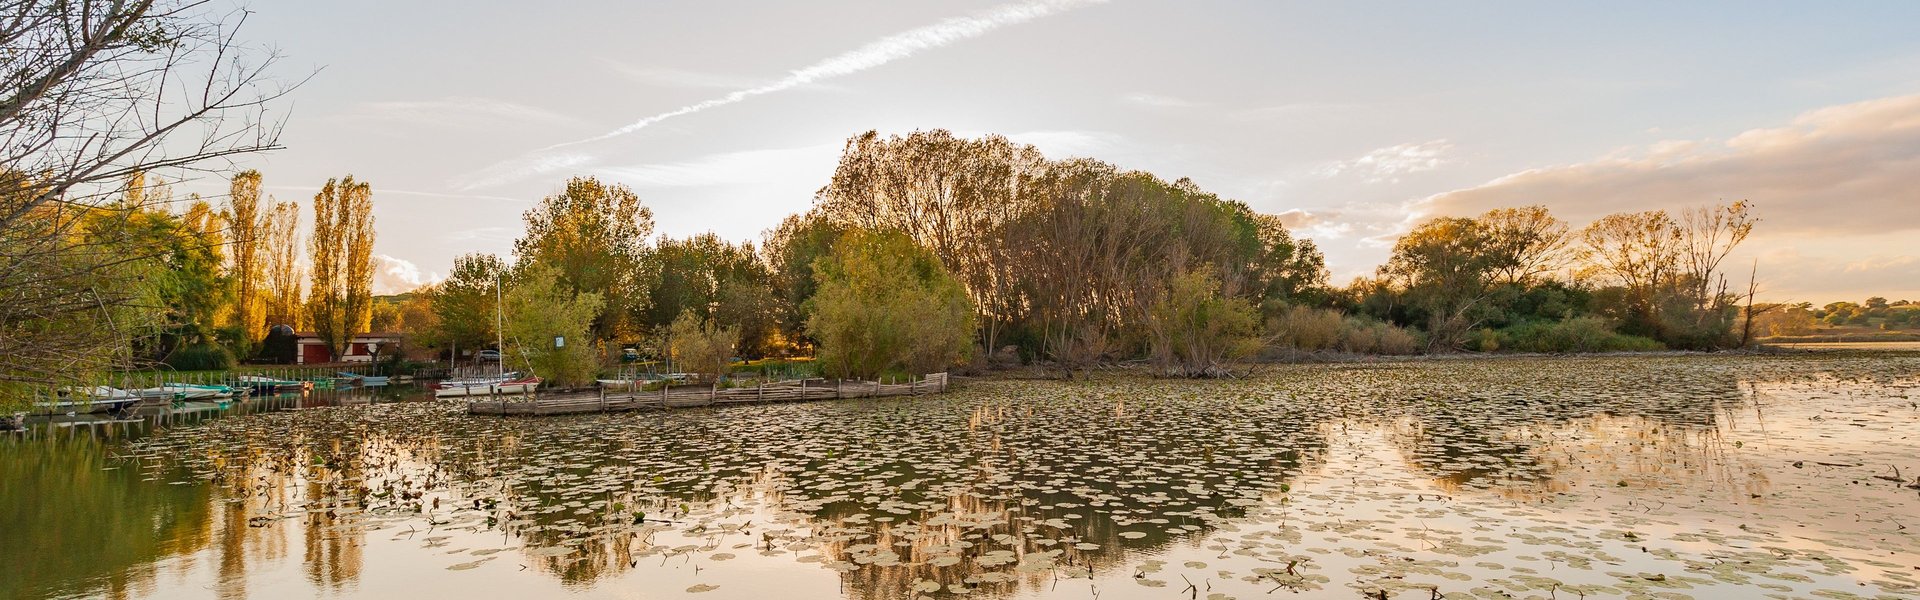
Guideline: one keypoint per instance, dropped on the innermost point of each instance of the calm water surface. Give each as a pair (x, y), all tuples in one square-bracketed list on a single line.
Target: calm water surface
[(1667, 477)]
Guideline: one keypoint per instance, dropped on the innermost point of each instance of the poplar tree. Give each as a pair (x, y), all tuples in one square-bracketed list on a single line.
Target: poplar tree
[(247, 226), (339, 298)]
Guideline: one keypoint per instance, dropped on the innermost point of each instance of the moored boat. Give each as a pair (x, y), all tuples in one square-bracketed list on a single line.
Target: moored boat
[(263, 386), (366, 380), (454, 389), (96, 399)]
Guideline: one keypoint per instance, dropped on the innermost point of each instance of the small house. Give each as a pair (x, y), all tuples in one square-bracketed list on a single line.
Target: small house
[(363, 348)]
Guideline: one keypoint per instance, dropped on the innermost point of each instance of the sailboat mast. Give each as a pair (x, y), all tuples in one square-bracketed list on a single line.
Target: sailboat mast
[(500, 327)]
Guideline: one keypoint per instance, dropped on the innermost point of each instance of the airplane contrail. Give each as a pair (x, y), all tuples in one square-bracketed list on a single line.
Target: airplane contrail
[(878, 52), (873, 54)]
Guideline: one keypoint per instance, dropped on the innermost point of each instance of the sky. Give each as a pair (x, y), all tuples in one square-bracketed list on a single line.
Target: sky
[(1354, 120)]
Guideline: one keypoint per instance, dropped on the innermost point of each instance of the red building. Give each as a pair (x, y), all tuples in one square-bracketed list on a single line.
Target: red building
[(313, 350)]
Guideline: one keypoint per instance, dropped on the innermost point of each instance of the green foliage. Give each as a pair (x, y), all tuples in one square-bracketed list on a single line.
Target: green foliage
[(1577, 334), (1195, 329), (790, 251), (886, 304), (539, 309), (701, 346), (200, 357), (463, 305), (594, 237)]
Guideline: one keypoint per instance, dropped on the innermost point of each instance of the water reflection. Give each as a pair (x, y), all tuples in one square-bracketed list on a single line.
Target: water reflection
[(1115, 487)]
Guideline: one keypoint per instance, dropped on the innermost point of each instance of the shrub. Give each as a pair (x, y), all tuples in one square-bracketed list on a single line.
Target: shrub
[(1362, 336), (542, 312), (202, 357), (1195, 329), (885, 304), (700, 346), (1578, 334), (1306, 328)]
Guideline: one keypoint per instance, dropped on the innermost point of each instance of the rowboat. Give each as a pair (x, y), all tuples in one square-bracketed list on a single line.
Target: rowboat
[(96, 399), (645, 380), (366, 380), (208, 392), (263, 386), (458, 388)]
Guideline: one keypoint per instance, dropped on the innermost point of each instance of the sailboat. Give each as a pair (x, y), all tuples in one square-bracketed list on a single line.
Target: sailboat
[(502, 382)]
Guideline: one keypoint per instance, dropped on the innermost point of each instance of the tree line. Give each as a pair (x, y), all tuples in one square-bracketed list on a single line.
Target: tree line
[(920, 251), (929, 250)]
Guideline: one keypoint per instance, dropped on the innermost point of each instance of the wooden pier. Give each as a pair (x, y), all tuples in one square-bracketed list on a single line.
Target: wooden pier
[(618, 400)]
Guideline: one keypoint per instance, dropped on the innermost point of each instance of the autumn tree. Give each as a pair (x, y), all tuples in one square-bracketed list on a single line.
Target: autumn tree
[(594, 236), (1527, 243), (948, 194), (95, 92), (279, 248), (885, 304), (246, 225), (339, 295)]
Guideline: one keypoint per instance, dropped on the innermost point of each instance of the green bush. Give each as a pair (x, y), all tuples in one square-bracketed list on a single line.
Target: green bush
[(203, 357), (1578, 334), (887, 305)]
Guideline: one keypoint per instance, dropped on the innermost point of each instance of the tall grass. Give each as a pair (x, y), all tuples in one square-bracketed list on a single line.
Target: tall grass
[(1301, 328)]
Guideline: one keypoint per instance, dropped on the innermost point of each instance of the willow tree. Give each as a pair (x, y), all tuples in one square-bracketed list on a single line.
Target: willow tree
[(885, 304), (246, 227), (594, 236), (339, 294), (548, 328), (948, 194)]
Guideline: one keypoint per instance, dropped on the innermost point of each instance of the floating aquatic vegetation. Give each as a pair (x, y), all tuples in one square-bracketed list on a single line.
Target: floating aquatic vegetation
[(1570, 477)]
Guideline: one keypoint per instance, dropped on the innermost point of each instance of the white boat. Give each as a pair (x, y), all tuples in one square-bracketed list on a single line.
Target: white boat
[(646, 380), (96, 399), (179, 392), (454, 389), (480, 380)]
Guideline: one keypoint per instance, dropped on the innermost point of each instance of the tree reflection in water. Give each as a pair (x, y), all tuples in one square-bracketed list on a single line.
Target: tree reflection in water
[(1001, 487)]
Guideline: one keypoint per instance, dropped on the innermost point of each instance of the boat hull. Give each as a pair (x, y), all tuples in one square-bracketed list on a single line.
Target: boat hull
[(486, 389)]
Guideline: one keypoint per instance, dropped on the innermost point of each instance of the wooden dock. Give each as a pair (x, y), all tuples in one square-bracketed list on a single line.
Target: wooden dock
[(618, 400)]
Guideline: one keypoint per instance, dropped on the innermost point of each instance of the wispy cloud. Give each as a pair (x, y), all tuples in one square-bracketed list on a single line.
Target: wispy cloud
[(454, 112), (668, 77), (1160, 101), (873, 54), (383, 191), (1389, 164), (731, 168)]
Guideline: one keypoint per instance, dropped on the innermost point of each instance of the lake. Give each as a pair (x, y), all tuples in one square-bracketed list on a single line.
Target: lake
[(1673, 476)]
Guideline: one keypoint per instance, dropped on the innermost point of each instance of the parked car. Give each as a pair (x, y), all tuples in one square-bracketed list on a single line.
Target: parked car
[(488, 355)]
